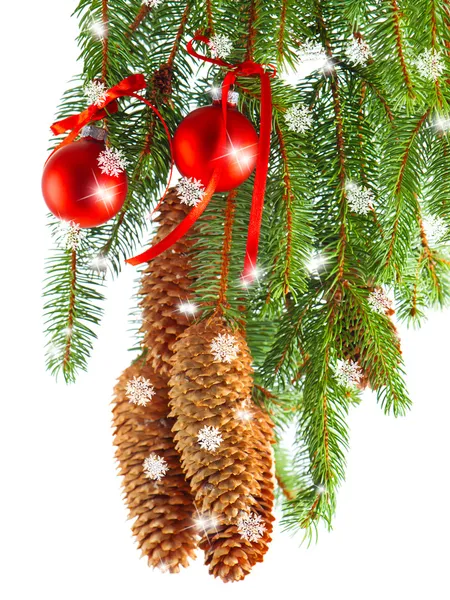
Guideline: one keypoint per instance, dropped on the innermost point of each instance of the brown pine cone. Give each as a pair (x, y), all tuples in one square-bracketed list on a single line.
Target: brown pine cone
[(165, 284), (163, 510), (230, 465), (228, 555)]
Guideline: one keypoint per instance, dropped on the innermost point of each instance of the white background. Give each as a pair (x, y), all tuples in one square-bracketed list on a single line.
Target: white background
[(64, 533)]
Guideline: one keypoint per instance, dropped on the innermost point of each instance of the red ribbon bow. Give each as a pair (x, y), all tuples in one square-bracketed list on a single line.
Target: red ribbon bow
[(127, 87), (245, 69)]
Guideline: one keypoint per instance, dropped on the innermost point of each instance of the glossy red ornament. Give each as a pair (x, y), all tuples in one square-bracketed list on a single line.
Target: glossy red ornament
[(196, 151), (75, 188)]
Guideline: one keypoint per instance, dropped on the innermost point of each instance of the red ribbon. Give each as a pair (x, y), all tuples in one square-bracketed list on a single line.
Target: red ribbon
[(245, 69), (95, 112)]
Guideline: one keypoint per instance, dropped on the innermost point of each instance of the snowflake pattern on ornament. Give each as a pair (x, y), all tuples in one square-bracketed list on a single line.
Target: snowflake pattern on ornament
[(311, 50), (209, 438), (224, 347), (430, 64), (112, 162), (220, 46), (435, 229), (152, 3), (190, 191), (155, 467), (359, 198), (358, 52), (140, 391), (95, 92), (298, 118), (251, 527), (348, 373), (379, 302)]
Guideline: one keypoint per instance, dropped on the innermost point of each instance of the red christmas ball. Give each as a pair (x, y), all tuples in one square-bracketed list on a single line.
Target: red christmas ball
[(84, 185), (197, 152)]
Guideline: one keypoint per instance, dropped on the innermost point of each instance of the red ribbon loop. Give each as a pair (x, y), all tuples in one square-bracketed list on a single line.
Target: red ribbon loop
[(247, 68), (95, 112)]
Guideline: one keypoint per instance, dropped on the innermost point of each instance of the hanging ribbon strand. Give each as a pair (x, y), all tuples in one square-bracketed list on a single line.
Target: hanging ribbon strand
[(245, 69)]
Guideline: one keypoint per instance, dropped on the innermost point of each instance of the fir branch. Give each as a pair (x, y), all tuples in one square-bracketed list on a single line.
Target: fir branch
[(222, 303), (399, 44), (282, 31), (252, 32), (210, 18), (428, 255), (71, 310), (178, 37), (144, 10), (288, 198), (340, 145), (105, 40), (399, 186)]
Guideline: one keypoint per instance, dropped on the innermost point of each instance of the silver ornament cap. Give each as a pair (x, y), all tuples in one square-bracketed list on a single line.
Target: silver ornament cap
[(92, 131)]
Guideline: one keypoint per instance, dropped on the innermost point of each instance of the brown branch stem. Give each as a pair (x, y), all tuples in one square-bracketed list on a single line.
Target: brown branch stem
[(222, 302), (71, 312), (399, 45), (287, 197)]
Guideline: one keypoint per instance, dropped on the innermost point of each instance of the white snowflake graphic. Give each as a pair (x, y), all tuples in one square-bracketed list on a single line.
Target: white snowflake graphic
[(435, 229), (311, 50), (251, 527), (140, 391), (155, 467), (112, 162), (358, 52), (299, 118), (152, 3), (430, 64), (348, 373), (359, 198), (379, 301), (190, 191), (220, 46), (209, 438), (224, 347), (95, 92), (69, 235)]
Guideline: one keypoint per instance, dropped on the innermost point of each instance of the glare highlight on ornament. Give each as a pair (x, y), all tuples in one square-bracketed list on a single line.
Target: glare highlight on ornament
[(104, 194), (243, 157), (188, 308)]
